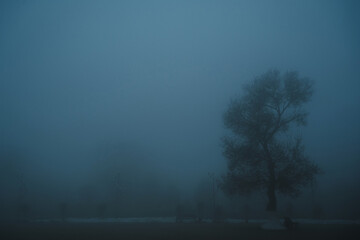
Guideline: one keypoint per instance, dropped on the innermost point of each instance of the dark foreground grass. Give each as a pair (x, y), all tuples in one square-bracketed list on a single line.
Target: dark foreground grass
[(188, 231)]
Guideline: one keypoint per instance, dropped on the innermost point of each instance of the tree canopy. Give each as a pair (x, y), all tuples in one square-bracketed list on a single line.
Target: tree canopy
[(260, 153)]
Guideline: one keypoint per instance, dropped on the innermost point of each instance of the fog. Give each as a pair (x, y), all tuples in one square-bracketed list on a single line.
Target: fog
[(121, 103)]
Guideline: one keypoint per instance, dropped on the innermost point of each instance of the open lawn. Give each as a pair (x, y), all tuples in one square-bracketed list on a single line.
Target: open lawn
[(187, 231)]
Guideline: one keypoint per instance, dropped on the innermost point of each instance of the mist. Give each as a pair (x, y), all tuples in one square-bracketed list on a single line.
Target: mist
[(115, 108)]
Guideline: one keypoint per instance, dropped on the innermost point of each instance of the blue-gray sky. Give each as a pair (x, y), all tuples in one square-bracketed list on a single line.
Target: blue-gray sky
[(158, 75)]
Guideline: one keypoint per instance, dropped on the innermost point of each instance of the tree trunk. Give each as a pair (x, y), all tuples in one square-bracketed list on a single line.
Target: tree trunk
[(271, 206)]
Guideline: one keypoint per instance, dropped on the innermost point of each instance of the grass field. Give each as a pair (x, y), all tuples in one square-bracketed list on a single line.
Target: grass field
[(173, 231)]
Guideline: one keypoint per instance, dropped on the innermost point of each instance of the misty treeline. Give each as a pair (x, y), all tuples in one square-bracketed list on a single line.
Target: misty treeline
[(118, 183), (121, 182)]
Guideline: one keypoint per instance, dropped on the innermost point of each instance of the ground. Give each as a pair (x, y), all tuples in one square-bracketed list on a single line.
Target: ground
[(186, 231)]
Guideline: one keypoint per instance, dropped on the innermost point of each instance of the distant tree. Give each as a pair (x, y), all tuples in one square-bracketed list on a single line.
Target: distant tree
[(317, 211), (101, 210), (289, 210), (214, 190), (13, 182), (23, 206), (63, 209), (259, 153)]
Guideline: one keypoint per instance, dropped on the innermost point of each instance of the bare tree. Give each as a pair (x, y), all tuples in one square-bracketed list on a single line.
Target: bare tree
[(259, 153)]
